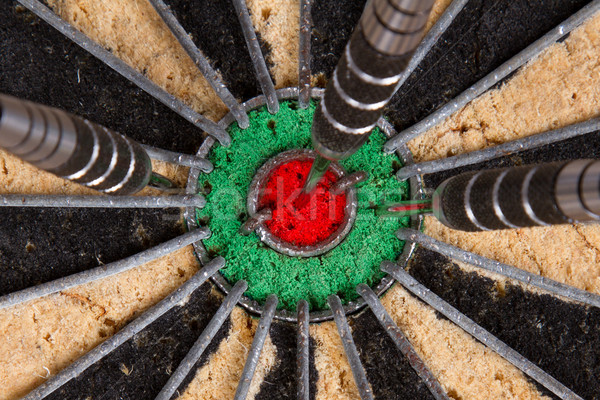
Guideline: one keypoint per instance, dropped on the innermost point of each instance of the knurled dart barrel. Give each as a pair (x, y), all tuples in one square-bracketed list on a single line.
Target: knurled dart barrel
[(72, 147), (366, 76), (533, 195)]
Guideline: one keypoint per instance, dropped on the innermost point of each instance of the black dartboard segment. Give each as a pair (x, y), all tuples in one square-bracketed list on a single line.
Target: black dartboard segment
[(38, 63), (281, 381), (388, 370), (140, 367), (562, 338), (216, 31), (221, 335), (333, 23), (40, 245), (482, 36), (584, 146)]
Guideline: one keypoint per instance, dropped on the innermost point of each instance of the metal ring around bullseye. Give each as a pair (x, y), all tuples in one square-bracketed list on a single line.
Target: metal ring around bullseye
[(416, 222), (276, 243)]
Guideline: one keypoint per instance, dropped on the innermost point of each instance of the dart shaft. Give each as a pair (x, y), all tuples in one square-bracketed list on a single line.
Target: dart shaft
[(72, 147), (407, 208), (366, 76)]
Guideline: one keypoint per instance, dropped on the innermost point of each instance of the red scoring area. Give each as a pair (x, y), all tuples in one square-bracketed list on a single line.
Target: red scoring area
[(300, 219)]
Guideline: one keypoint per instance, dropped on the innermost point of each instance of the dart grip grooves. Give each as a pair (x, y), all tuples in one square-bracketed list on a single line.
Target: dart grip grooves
[(534, 195), (73, 148), (366, 76)]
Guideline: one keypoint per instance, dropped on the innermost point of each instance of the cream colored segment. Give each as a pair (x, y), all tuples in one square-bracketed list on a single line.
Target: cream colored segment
[(176, 173), (41, 337), (133, 31), (19, 177), (219, 378), (336, 381), (560, 87), (277, 22), (464, 367), (436, 11), (564, 253)]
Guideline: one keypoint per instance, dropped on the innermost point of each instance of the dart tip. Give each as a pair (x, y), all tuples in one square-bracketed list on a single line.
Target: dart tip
[(318, 169), (406, 208)]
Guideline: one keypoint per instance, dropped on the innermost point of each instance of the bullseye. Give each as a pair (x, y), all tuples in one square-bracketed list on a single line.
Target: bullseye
[(300, 224), (298, 218)]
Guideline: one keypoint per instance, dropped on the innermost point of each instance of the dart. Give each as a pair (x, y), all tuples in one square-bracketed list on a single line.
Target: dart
[(518, 197), (365, 79), (76, 149)]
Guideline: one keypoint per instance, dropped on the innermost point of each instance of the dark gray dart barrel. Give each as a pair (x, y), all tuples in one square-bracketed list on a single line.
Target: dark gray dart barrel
[(533, 195), (72, 147), (366, 76)]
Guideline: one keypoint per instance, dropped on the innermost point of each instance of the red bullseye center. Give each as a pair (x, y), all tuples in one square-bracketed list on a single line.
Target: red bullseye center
[(300, 219)]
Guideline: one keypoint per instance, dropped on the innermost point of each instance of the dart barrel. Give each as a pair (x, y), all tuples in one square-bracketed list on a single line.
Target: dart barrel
[(72, 147), (533, 195), (367, 74)]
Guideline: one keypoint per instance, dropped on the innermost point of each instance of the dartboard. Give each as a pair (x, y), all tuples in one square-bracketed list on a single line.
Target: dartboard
[(137, 300)]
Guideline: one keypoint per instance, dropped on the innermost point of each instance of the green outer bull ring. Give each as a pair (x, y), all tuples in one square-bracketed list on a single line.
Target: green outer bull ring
[(416, 222)]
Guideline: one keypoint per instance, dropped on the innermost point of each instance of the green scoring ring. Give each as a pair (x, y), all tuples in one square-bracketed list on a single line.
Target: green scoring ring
[(356, 260)]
